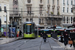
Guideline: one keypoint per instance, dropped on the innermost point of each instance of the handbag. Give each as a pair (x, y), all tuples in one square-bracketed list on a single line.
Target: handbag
[(70, 42)]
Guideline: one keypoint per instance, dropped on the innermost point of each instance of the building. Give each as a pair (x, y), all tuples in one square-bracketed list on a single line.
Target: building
[(4, 6), (67, 12), (45, 13)]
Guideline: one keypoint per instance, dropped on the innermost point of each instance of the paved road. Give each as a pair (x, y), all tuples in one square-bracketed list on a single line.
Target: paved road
[(32, 44)]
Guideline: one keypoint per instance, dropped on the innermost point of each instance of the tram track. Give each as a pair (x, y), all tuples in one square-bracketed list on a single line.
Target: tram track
[(44, 42), (40, 46), (22, 44), (50, 45)]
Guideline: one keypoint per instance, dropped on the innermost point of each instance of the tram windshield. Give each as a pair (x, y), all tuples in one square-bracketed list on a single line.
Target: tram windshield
[(28, 28)]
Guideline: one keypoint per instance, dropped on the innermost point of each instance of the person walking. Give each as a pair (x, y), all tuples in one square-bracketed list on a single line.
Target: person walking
[(20, 33), (65, 37), (44, 36)]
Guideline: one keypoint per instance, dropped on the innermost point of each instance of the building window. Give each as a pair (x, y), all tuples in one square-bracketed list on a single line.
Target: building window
[(31, 19), (57, 2), (41, 9), (67, 10), (39, 21), (63, 9), (4, 8), (67, 19), (71, 2), (67, 2), (0, 8), (71, 10), (64, 19), (15, 2), (63, 2), (71, 19), (40, 1), (4, 19), (27, 19), (29, 10), (29, 1)]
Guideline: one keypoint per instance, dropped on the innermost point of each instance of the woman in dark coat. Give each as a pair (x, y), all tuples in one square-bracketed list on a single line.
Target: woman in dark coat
[(20, 33)]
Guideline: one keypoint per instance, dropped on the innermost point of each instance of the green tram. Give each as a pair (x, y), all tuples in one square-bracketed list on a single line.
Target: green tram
[(49, 31), (29, 30)]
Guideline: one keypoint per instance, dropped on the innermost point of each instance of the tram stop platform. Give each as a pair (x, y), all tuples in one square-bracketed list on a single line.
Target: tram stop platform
[(7, 40)]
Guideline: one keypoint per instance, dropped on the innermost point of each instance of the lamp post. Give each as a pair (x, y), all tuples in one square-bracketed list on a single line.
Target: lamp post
[(6, 25), (22, 19)]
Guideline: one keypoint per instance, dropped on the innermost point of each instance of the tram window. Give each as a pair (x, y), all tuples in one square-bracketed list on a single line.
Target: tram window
[(31, 28), (28, 28), (25, 28)]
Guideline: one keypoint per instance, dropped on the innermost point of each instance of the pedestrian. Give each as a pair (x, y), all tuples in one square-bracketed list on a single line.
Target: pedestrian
[(51, 34), (65, 37), (20, 33), (44, 36)]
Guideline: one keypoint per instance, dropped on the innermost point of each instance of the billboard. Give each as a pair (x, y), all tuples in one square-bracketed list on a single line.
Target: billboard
[(12, 31)]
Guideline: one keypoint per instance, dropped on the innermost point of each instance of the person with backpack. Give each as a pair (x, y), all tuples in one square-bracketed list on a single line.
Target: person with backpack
[(44, 36)]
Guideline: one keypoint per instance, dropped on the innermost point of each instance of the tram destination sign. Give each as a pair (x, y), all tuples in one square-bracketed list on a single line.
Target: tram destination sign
[(28, 24)]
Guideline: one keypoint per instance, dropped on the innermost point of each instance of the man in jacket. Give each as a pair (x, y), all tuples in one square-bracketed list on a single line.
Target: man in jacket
[(44, 36), (65, 37)]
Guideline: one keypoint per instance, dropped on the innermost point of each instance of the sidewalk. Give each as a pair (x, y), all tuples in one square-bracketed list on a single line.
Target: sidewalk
[(62, 44), (7, 40)]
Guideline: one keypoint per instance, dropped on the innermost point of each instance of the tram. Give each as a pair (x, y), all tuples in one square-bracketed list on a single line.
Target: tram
[(29, 30), (48, 31)]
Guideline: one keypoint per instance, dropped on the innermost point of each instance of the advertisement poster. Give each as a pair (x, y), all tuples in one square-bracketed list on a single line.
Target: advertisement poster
[(12, 31), (17, 32)]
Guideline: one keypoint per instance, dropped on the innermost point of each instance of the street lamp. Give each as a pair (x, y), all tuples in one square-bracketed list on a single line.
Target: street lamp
[(6, 26)]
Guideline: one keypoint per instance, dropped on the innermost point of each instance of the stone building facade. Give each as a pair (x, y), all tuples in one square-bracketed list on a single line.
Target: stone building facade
[(4, 6), (45, 13)]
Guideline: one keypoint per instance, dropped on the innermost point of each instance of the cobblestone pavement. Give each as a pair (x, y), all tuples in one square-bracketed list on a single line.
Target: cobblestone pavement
[(32, 44)]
